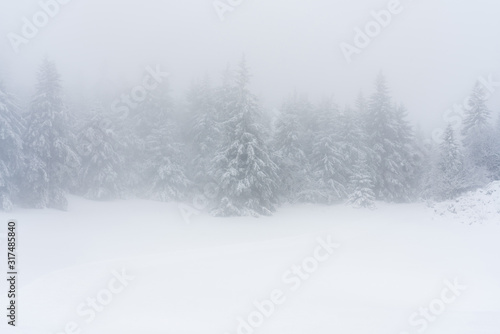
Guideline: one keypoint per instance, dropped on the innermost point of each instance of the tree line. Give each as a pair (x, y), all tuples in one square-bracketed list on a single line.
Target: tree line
[(167, 151)]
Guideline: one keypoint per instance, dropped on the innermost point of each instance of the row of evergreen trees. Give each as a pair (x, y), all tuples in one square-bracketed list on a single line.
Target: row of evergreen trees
[(317, 153)]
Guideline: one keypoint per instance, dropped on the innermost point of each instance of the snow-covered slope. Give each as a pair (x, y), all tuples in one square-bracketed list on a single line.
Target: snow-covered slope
[(205, 276), (474, 207)]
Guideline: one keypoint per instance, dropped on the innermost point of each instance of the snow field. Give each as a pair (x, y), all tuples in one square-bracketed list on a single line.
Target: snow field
[(387, 275)]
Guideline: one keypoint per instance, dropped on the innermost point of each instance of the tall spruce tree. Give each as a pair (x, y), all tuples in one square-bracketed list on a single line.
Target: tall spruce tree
[(101, 172), (142, 120), (477, 132), (289, 145), (163, 162), (47, 148), (165, 170), (388, 136), (379, 116), (11, 162), (353, 139), (243, 168), (405, 155), (450, 175), (205, 129), (330, 157), (423, 158)]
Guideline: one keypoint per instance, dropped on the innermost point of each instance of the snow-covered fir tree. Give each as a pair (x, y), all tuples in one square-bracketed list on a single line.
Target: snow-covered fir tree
[(205, 130), (136, 132), (449, 177), (388, 135), (246, 174), (353, 138), (163, 160), (165, 170), (289, 146), (11, 162), (423, 158), (101, 172), (405, 155), (47, 149), (378, 127), (477, 132), (477, 115), (330, 162)]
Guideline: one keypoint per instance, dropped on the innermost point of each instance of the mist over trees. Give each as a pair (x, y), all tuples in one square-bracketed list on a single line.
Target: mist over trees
[(166, 150)]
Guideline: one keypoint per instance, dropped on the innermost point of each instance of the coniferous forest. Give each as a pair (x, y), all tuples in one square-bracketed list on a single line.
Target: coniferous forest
[(220, 135), (250, 167)]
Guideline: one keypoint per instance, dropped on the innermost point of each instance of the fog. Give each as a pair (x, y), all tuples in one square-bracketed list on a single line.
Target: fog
[(432, 52), (140, 197)]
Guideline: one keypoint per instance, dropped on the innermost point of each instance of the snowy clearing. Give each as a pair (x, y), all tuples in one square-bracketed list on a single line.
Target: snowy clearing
[(201, 277)]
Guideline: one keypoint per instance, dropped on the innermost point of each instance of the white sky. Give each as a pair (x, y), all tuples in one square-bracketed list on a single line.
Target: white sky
[(432, 52)]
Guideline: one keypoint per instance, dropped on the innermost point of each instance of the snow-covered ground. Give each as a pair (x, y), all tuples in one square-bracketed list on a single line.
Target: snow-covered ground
[(475, 207), (397, 269)]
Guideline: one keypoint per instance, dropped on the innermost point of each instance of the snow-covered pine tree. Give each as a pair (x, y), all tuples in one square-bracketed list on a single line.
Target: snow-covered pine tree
[(423, 158), (11, 162), (46, 143), (449, 180), (353, 138), (132, 151), (311, 119), (361, 186), (165, 170), (101, 172), (405, 155), (136, 133), (477, 115), (289, 144), (378, 118), (387, 133), (477, 133), (330, 163), (74, 116), (163, 167), (205, 132), (243, 168)]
